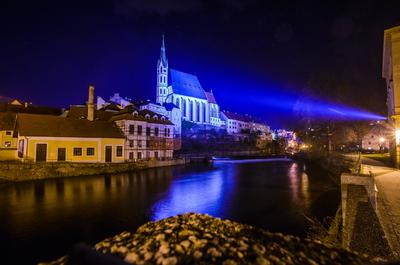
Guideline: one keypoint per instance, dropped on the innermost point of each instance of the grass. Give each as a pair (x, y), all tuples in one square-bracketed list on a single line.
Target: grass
[(381, 157)]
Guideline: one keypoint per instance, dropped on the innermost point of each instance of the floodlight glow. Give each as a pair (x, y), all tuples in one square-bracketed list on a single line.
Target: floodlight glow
[(381, 140), (397, 136)]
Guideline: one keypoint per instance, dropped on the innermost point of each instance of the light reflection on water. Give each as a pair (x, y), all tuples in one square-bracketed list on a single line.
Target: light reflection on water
[(274, 194)]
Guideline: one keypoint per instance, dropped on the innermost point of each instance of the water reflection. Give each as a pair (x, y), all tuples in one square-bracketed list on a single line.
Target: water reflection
[(201, 193), (273, 194)]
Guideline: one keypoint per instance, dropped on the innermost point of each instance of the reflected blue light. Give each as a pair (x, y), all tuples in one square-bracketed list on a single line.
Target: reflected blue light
[(191, 196)]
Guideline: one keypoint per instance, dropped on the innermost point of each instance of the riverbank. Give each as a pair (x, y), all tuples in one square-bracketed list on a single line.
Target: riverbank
[(202, 239), (18, 171)]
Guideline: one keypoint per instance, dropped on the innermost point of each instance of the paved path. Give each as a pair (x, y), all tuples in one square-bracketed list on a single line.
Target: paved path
[(387, 181)]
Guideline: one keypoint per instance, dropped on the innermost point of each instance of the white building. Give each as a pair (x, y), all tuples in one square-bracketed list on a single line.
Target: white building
[(148, 135), (377, 139), (186, 92), (169, 110), (236, 123)]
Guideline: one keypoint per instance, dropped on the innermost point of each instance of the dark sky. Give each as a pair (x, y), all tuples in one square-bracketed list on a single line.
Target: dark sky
[(51, 50)]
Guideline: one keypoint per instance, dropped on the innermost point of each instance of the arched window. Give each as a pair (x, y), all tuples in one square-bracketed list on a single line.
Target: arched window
[(204, 112), (184, 107), (177, 103), (190, 111), (198, 112)]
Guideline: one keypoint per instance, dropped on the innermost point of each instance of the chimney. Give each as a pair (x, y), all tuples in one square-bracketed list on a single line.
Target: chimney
[(90, 104)]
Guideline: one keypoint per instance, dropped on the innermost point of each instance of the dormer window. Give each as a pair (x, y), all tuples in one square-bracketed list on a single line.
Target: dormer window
[(155, 117), (163, 118), (147, 116), (135, 114)]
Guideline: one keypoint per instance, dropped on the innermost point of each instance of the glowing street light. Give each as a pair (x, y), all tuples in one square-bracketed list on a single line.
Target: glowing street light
[(381, 140), (397, 136)]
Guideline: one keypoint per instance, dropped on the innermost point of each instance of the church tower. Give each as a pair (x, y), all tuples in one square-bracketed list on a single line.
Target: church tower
[(162, 75)]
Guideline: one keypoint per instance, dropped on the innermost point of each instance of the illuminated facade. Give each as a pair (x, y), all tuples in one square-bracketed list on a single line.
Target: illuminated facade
[(46, 138), (148, 135), (8, 143), (391, 73), (186, 93), (377, 139)]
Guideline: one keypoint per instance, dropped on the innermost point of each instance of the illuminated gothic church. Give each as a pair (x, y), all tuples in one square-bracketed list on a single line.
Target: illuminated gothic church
[(185, 91)]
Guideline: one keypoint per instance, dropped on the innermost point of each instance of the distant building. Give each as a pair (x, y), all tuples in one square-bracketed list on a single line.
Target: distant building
[(148, 135), (186, 92), (377, 139), (236, 123)]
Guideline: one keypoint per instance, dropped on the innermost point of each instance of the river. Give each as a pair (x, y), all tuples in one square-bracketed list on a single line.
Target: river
[(41, 220)]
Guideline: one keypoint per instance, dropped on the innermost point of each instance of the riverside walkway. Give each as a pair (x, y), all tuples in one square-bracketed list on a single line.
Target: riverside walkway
[(387, 198)]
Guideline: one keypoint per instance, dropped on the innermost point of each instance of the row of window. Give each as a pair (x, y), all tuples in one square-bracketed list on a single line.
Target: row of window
[(90, 151), (167, 131), (140, 156)]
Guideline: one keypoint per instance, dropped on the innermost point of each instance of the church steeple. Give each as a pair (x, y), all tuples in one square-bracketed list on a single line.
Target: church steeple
[(163, 55), (162, 75)]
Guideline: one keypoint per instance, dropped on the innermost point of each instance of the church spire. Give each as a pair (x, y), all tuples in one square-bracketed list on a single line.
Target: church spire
[(163, 55)]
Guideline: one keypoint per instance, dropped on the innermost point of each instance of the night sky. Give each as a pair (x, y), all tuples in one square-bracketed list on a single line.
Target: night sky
[(50, 51)]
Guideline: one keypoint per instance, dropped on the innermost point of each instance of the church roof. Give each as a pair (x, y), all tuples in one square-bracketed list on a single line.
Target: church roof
[(210, 97), (186, 84)]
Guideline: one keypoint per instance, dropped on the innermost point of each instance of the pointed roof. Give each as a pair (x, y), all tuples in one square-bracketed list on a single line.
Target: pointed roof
[(163, 55), (186, 84), (210, 97)]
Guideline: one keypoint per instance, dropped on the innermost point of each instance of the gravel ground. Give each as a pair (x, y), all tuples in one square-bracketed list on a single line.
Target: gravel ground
[(201, 239)]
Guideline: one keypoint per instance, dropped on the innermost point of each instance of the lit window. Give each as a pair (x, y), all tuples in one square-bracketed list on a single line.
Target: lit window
[(7, 144), (77, 151), (90, 151), (119, 151)]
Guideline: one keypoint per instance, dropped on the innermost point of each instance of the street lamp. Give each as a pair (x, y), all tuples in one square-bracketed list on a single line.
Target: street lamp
[(381, 140), (397, 136)]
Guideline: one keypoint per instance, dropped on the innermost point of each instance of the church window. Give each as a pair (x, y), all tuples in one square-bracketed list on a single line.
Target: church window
[(183, 107), (198, 112), (204, 113), (160, 79)]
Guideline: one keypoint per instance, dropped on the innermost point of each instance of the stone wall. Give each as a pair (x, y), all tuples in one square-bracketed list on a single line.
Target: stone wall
[(18, 171)]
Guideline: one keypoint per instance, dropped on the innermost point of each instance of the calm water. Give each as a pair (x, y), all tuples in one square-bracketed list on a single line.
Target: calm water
[(41, 220)]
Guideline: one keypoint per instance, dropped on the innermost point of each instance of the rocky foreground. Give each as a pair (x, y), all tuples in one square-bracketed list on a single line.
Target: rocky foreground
[(202, 239)]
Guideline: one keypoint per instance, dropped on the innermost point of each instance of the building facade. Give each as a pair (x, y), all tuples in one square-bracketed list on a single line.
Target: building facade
[(148, 135), (377, 139), (45, 138), (8, 143), (391, 73)]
